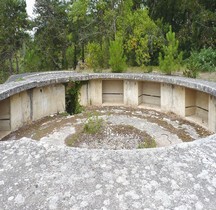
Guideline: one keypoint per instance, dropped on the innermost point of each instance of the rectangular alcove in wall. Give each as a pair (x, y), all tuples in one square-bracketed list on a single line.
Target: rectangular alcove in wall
[(112, 92), (4, 117), (149, 94), (197, 106)]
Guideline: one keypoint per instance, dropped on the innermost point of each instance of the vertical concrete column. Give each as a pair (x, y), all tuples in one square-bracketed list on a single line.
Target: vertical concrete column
[(95, 92), (131, 91), (212, 114), (178, 106), (83, 97), (166, 97), (59, 92), (173, 99)]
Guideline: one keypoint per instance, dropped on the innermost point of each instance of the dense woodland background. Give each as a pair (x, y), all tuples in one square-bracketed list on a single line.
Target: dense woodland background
[(108, 34)]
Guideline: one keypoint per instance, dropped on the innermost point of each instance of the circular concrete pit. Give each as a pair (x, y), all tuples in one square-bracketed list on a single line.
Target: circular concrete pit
[(46, 174), (121, 128)]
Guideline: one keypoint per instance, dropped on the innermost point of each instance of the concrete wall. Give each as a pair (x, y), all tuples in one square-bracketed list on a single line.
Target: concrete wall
[(197, 107), (112, 92), (190, 102), (37, 103), (95, 92), (5, 115), (48, 100), (212, 114), (131, 93), (31, 105), (169, 98), (202, 101), (83, 97), (150, 94), (173, 99), (20, 109)]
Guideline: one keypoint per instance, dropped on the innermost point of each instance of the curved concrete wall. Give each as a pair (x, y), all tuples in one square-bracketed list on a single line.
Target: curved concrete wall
[(38, 95)]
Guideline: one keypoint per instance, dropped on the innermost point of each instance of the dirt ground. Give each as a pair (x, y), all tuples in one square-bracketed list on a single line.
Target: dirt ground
[(121, 128)]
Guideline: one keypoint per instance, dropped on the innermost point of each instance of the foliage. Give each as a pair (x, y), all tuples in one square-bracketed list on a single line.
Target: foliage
[(94, 56), (171, 59), (144, 39), (148, 143), (13, 26), (193, 21), (190, 72), (68, 32), (117, 59), (72, 97), (70, 57), (32, 61), (205, 60), (93, 124), (51, 36)]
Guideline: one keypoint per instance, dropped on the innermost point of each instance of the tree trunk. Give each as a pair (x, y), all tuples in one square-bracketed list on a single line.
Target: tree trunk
[(17, 64), (75, 57), (11, 65), (83, 53), (64, 60)]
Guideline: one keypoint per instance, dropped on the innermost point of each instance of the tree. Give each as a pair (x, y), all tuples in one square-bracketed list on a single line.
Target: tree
[(51, 33), (144, 39), (117, 58), (171, 59), (13, 26), (193, 21)]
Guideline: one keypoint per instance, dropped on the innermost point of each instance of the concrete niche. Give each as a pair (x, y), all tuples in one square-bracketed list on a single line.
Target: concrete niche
[(112, 92), (149, 94), (197, 106), (4, 117)]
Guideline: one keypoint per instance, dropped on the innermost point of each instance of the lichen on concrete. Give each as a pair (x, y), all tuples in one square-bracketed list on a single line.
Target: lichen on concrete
[(46, 78), (37, 175)]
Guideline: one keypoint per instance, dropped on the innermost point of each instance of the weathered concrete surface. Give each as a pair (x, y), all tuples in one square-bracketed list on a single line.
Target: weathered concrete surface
[(37, 175), (47, 78)]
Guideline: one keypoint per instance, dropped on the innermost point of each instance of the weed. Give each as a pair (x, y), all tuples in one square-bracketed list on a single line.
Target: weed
[(148, 143), (93, 124)]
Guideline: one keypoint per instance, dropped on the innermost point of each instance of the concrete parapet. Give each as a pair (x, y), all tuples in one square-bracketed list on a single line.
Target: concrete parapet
[(42, 94)]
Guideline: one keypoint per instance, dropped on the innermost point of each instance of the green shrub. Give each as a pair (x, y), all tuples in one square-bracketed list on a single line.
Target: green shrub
[(117, 59), (93, 124), (192, 70), (148, 143), (204, 61)]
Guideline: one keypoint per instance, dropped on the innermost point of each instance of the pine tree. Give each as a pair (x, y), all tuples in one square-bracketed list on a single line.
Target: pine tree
[(171, 60), (117, 59)]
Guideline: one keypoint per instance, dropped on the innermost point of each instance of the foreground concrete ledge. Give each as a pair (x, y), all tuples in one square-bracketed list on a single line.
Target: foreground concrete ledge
[(26, 82), (36, 175)]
